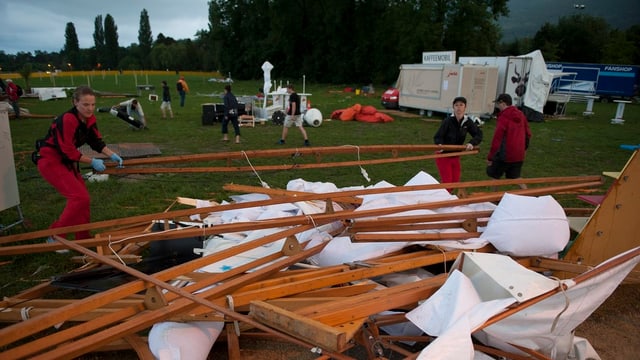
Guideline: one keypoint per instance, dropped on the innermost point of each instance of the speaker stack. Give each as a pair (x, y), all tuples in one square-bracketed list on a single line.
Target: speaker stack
[(212, 113)]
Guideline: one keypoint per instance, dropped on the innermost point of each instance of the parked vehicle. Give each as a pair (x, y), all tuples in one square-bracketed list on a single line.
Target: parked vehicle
[(607, 81), (390, 97)]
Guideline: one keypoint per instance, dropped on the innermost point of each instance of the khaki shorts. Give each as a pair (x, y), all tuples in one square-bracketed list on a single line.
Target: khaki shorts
[(166, 105), (289, 120)]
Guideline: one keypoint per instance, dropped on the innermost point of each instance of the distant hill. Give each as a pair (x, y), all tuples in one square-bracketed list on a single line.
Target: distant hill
[(527, 16)]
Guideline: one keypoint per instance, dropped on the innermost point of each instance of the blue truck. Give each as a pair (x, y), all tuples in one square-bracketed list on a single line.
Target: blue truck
[(606, 81)]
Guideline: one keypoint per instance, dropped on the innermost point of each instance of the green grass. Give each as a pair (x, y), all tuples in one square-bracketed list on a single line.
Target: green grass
[(572, 146)]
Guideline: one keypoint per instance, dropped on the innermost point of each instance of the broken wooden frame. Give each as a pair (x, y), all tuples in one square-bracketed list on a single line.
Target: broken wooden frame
[(328, 306)]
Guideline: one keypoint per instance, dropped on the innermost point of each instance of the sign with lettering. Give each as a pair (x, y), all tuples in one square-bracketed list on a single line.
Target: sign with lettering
[(439, 57)]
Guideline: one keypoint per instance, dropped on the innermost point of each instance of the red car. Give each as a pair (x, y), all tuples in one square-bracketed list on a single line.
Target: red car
[(390, 98)]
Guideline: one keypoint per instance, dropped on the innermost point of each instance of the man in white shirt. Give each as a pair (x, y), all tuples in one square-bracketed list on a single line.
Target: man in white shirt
[(134, 109)]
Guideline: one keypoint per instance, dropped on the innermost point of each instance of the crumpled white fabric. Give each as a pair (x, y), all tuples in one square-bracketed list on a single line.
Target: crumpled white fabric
[(450, 314), (183, 341)]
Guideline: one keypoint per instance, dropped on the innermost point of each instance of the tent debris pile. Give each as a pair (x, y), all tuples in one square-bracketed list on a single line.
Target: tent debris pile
[(332, 269)]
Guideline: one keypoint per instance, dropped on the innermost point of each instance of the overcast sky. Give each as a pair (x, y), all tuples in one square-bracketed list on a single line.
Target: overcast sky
[(30, 25)]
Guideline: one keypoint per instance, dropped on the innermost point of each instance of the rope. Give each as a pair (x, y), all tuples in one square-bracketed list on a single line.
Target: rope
[(362, 170), (262, 183), (444, 256), (566, 303), (24, 313)]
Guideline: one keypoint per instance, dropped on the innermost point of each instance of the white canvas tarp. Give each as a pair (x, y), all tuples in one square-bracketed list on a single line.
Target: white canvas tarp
[(539, 82), (483, 285), (49, 93)]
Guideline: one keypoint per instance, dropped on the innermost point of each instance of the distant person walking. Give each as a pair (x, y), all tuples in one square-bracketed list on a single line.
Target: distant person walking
[(510, 141), (14, 97), (453, 130), (293, 116), (166, 101), (183, 89), (230, 115)]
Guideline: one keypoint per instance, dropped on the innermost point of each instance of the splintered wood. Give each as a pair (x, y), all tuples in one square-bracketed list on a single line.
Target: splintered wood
[(280, 295)]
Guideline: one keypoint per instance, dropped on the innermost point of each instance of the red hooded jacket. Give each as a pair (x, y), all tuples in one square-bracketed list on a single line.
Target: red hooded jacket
[(511, 137)]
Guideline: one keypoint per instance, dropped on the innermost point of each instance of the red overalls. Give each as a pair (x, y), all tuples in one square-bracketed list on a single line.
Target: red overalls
[(58, 165)]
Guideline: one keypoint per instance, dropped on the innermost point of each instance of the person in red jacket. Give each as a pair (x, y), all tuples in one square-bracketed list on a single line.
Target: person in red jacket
[(12, 94), (510, 141), (58, 158)]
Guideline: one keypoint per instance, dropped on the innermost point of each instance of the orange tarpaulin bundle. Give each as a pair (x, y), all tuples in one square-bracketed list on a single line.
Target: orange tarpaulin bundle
[(358, 112)]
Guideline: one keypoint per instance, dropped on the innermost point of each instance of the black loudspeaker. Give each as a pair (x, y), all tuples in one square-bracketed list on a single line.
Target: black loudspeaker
[(278, 117), (219, 113), (208, 114), (242, 109)]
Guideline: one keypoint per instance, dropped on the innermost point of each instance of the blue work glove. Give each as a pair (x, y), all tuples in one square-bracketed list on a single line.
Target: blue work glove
[(98, 165), (115, 157)]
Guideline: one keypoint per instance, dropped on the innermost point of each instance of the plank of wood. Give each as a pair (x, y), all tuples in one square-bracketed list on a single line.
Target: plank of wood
[(324, 336), (402, 237), (365, 305)]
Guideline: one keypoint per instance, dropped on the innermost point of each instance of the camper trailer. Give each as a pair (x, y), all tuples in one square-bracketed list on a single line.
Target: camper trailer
[(432, 88), (524, 77)]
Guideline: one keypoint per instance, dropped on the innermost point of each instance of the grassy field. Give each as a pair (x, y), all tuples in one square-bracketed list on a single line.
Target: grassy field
[(572, 145)]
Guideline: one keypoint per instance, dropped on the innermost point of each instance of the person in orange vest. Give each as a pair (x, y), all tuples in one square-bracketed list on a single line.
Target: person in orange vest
[(183, 89)]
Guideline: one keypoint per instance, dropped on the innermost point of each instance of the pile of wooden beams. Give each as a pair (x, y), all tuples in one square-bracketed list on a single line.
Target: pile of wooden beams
[(331, 308)]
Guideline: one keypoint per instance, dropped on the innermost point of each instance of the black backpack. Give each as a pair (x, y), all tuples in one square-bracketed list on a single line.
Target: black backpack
[(20, 91)]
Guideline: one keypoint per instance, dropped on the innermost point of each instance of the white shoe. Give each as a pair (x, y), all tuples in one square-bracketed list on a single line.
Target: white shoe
[(50, 240)]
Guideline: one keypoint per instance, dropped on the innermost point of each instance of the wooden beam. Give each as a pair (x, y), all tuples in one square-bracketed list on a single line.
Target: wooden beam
[(613, 227), (364, 305), (393, 150), (314, 332), (402, 237), (317, 219), (579, 183)]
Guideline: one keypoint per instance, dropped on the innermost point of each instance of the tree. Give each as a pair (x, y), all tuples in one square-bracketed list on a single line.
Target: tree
[(633, 35), (582, 38), (577, 38), (25, 73), (111, 43), (145, 39), (546, 40), (471, 27), (617, 49), (71, 46), (98, 40)]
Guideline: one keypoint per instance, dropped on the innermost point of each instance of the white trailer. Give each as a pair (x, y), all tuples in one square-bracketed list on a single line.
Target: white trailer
[(432, 88), (524, 77)]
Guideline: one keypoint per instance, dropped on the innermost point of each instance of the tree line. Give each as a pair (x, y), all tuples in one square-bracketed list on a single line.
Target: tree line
[(334, 41)]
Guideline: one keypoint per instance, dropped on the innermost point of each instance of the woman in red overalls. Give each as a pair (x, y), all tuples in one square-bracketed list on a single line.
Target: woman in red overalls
[(58, 159)]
